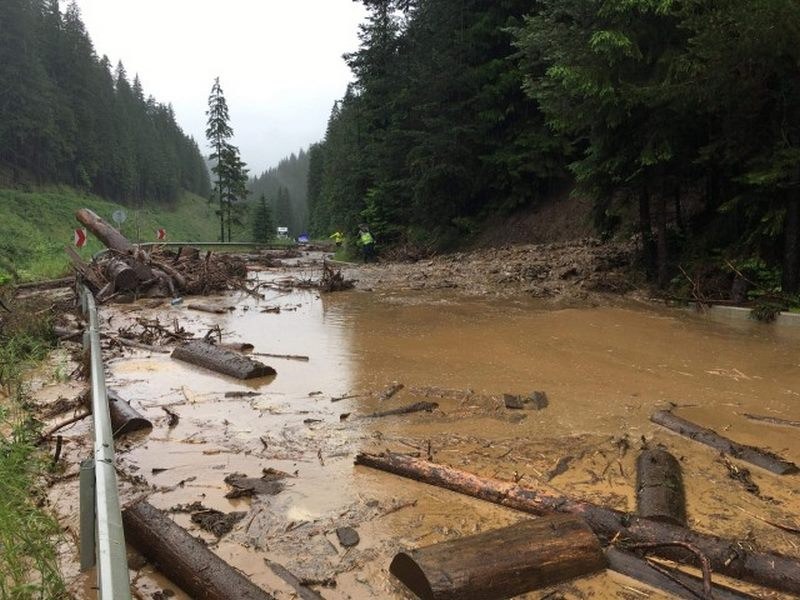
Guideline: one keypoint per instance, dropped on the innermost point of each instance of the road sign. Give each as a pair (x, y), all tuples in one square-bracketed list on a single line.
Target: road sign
[(79, 238), (161, 234), (119, 216)]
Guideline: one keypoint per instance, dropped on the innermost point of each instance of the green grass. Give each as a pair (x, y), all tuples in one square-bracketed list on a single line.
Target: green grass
[(28, 559), (36, 225)]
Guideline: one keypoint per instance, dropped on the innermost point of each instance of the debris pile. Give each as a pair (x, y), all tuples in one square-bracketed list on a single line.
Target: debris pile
[(130, 270)]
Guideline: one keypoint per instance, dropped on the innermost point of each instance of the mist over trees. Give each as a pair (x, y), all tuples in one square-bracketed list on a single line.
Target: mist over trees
[(682, 118), (68, 116), (286, 188)]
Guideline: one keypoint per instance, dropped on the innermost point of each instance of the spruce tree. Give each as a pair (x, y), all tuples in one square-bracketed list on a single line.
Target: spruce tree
[(263, 228)]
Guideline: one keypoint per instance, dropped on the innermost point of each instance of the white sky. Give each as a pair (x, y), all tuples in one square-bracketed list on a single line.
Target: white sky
[(279, 62)]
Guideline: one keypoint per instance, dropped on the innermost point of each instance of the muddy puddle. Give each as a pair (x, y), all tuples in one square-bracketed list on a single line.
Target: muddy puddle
[(604, 370)]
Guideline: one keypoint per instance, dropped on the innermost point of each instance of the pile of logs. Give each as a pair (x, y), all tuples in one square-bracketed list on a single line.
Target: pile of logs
[(570, 534), (127, 269)]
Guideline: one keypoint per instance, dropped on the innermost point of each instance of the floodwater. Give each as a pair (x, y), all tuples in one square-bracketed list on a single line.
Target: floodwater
[(605, 370)]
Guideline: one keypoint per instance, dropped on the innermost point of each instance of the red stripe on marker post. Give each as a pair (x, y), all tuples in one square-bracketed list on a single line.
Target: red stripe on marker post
[(79, 238), (161, 234)]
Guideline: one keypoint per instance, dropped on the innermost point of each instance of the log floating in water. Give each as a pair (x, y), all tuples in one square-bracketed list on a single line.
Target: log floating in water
[(391, 391), (183, 559), (772, 420), (755, 456), (672, 581), (503, 563), (659, 487), (221, 360), (125, 418), (206, 308), (412, 408), (729, 557)]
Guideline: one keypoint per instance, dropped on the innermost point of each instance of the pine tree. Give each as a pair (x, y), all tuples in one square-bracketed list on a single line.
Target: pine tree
[(218, 134), (263, 228)]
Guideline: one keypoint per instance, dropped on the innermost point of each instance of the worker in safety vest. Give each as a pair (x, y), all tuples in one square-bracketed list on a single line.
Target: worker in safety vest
[(367, 242), (338, 238)]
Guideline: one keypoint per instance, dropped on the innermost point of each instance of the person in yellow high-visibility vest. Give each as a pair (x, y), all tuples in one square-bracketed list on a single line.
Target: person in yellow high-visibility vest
[(338, 238), (367, 242)]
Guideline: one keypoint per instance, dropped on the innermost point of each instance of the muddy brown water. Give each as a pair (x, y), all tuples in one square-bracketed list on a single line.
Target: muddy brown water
[(605, 370)]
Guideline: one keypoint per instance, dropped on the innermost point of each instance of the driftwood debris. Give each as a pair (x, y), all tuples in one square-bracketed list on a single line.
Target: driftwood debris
[(772, 420), (756, 456), (734, 558), (332, 280), (672, 581), (303, 592), (533, 401), (299, 357), (659, 487), (502, 563), (221, 360), (404, 410), (214, 310), (390, 391), (183, 559), (156, 272)]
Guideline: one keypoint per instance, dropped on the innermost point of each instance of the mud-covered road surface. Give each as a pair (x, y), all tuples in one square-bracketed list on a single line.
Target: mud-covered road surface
[(604, 369)]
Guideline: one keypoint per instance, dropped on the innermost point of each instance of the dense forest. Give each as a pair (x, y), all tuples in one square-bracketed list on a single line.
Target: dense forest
[(286, 188), (67, 116), (680, 120)]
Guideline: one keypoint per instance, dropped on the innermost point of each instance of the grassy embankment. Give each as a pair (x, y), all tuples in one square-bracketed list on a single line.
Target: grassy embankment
[(28, 561), (36, 225)]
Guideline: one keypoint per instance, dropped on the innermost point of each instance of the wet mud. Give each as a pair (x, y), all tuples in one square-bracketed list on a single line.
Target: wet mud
[(604, 370)]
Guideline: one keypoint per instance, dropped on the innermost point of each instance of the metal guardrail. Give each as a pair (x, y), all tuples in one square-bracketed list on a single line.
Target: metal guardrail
[(102, 535)]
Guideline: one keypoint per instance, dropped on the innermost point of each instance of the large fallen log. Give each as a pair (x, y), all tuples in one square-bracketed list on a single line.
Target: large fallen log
[(183, 559), (124, 418), (502, 563), (755, 456), (672, 581), (122, 276), (730, 557), (111, 238), (221, 360), (659, 487)]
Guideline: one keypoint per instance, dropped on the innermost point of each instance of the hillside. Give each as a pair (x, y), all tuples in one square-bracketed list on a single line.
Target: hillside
[(38, 224)]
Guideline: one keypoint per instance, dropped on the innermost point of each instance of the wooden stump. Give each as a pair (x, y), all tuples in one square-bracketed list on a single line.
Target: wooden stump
[(659, 487), (503, 563), (122, 276), (221, 360), (183, 559)]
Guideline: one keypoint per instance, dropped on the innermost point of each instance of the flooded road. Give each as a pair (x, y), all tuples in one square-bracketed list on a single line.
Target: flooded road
[(604, 369)]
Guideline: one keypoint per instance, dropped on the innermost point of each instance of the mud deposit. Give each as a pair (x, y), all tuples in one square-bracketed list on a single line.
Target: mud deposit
[(604, 370)]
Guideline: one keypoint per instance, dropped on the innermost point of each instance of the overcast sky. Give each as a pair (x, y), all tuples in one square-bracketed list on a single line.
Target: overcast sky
[(279, 62)]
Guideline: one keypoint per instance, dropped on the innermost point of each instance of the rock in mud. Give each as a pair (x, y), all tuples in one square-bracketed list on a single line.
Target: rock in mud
[(348, 537), (534, 401)]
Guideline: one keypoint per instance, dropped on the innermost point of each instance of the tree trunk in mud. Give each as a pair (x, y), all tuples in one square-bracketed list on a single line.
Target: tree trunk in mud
[(755, 456), (111, 238), (645, 228), (672, 581), (183, 559), (790, 280), (659, 487), (221, 360), (729, 557), (503, 563), (124, 418)]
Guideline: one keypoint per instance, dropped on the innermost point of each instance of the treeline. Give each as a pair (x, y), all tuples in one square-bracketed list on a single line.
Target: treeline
[(680, 116), (67, 117), (286, 188)]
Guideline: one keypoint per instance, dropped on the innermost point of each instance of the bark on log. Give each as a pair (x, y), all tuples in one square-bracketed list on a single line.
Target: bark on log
[(122, 276), (188, 253), (755, 456), (730, 557), (659, 487), (503, 563), (124, 418), (221, 360), (672, 581), (110, 237), (183, 559)]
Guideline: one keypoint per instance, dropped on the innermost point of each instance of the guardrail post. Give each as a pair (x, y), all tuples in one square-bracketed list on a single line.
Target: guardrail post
[(88, 514)]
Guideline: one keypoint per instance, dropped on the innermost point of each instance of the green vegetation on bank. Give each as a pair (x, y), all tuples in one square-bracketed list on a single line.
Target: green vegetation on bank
[(37, 225), (28, 561)]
